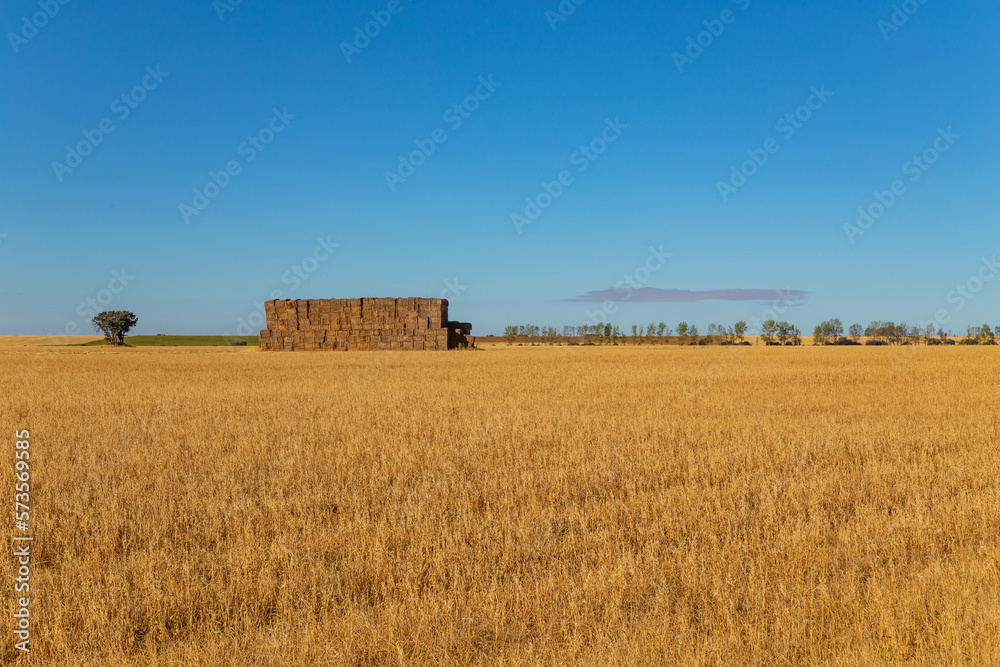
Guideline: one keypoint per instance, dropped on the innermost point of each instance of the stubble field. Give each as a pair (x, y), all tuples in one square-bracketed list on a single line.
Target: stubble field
[(564, 505)]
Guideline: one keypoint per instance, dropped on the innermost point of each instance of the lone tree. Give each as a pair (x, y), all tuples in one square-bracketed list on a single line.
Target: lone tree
[(114, 324)]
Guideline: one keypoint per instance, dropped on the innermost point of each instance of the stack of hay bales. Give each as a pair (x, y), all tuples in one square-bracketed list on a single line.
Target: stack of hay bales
[(362, 324), (460, 335)]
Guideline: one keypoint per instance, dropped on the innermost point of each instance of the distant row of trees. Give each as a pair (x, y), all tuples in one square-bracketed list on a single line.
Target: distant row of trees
[(780, 333), (611, 334), (831, 332)]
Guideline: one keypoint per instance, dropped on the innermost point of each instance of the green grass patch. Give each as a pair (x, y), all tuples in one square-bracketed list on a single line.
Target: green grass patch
[(173, 341)]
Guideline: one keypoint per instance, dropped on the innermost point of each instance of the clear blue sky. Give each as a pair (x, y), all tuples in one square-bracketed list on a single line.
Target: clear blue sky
[(199, 80)]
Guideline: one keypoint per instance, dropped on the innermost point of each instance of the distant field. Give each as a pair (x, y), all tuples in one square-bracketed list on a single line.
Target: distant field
[(512, 506), (19, 341), (170, 341)]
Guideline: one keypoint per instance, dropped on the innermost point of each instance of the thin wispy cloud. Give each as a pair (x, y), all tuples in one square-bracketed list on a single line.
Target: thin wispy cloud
[(658, 295)]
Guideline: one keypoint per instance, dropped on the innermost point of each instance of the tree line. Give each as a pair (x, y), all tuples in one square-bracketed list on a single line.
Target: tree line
[(878, 332), (830, 332), (604, 333)]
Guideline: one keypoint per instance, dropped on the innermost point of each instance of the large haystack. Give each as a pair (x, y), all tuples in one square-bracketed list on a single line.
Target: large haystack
[(362, 324)]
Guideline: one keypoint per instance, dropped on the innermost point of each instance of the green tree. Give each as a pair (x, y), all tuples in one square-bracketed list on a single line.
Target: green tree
[(682, 333), (767, 331), (740, 329), (784, 332), (114, 324), (827, 330), (819, 338), (900, 332), (510, 334), (889, 330), (635, 334), (856, 331), (836, 330), (693, 332)]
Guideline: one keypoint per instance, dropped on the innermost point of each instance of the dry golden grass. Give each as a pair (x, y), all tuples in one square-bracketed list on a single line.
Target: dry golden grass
[(20, 341), (579, 505)]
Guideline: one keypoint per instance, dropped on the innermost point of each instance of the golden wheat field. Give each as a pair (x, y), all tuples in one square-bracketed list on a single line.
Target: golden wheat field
[(513, 506)]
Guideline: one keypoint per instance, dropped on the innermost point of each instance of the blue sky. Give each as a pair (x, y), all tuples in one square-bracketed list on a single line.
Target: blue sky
[(611, 119)]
